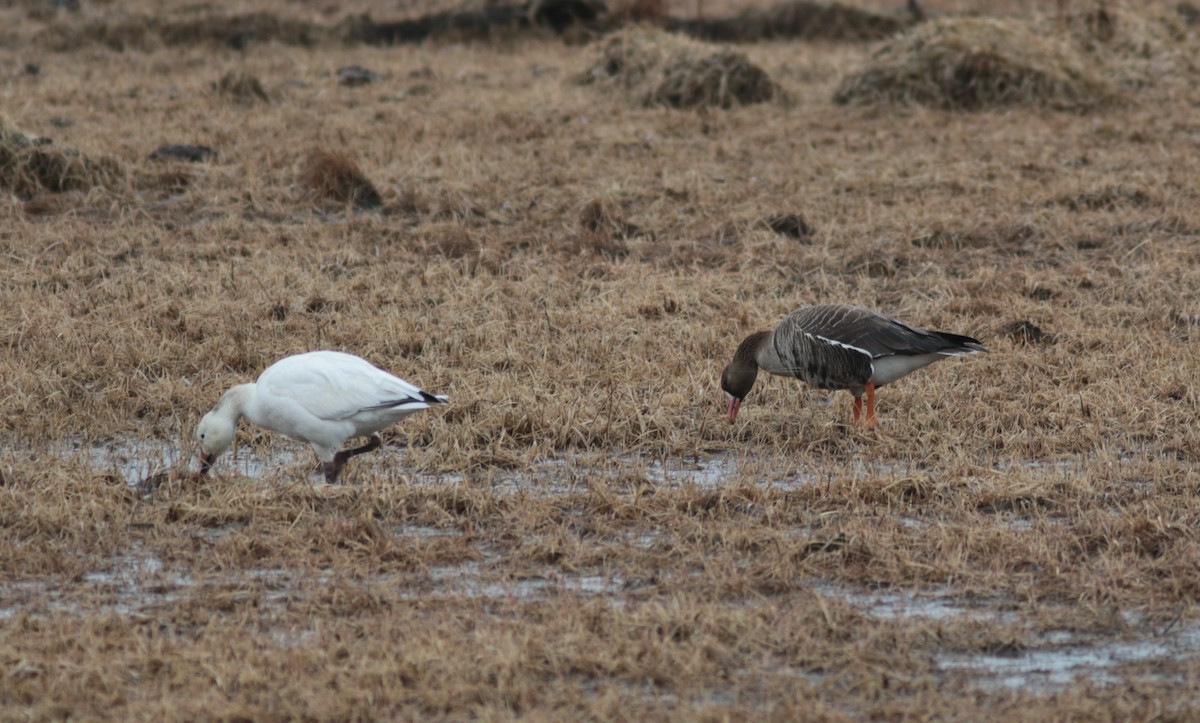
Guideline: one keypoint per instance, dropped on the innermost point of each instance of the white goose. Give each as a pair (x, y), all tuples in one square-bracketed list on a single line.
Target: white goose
[(322, 398), (835, 346)]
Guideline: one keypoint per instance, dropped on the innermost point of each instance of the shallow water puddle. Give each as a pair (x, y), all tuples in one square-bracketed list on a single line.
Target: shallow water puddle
[(935, 604), (124, 584), (1060, 659), (138, 582), (470, 580), (130, 458), (135, 459), (1058, 666)]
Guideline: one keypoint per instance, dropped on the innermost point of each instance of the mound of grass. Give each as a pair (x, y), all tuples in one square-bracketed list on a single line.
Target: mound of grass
[(655, 68), (336, 177), (1135, 45), (976, 63), (31, 165)]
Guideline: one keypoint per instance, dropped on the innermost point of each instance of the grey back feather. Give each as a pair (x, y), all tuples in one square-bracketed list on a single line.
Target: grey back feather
[(830, 346)]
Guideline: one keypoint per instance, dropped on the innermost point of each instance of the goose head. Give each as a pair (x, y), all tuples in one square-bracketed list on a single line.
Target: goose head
[(738, 378), (214, 434)]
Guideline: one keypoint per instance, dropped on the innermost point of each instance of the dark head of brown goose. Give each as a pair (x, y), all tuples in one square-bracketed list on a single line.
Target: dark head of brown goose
[(835, 346), (738, 378)]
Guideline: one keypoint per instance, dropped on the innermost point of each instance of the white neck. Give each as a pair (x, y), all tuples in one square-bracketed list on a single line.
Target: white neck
[(236, 403)]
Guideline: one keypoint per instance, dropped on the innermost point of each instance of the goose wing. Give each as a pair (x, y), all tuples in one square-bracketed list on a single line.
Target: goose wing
[(335, 386), (807, 345), (875, 334)]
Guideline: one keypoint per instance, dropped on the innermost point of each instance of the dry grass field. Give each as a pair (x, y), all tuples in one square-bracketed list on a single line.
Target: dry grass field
[(569, 235)]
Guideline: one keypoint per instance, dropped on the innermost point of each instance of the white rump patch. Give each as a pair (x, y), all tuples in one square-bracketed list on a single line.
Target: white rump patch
[(887, 369)]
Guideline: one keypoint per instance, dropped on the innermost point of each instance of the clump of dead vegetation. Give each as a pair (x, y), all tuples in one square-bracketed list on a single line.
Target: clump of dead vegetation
[(241, 87), (31, 165), (975, 63), (330, 176), (604, 217), (1137, 44), (652, 67)]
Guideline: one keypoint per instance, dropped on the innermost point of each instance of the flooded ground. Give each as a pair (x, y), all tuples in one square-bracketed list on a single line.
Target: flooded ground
[(139, 583), (133, 460)]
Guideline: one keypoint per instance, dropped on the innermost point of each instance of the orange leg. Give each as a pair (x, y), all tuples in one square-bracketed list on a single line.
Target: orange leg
[(857, 408), (871, 421)]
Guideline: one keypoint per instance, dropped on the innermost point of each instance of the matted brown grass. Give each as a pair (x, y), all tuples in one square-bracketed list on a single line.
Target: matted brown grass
[(579, 534)]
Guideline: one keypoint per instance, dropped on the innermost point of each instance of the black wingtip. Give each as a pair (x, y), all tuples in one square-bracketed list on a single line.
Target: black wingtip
[(434, 398), (962, 344)]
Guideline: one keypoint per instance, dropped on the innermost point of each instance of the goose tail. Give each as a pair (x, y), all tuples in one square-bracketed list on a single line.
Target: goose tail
[(959, 344)]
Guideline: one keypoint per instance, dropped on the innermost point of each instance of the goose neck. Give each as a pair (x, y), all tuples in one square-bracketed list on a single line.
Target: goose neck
[(236, 403)]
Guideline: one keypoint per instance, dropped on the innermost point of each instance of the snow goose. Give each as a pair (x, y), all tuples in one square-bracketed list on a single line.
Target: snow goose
[(834, 346), (322, 398)]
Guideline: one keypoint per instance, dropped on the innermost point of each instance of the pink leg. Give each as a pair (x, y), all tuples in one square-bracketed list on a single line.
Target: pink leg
[(871, 421)]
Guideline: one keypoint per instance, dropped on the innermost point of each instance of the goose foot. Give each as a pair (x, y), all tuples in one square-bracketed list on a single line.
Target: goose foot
[(334, 467)]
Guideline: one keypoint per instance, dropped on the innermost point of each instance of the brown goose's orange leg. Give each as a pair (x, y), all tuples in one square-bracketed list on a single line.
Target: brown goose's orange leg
[(857, 408), (871, 421)]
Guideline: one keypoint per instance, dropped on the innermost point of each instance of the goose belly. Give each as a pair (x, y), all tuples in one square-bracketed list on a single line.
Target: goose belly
[(890, 368)]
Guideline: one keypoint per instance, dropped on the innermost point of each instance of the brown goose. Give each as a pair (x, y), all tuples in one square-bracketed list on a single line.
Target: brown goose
[(834, 346)]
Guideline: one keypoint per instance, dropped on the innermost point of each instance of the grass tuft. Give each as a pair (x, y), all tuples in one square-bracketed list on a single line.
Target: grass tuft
[(31, 165), (241, 87), (336, 177)]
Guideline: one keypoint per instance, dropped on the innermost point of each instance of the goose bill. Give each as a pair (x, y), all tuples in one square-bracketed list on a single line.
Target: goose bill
[(734, 405)]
